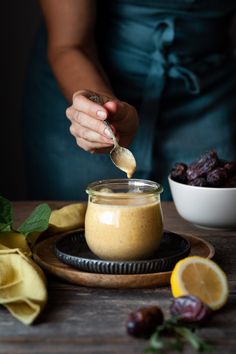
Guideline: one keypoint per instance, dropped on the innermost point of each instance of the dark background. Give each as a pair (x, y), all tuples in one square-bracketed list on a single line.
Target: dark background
[(19, 20)]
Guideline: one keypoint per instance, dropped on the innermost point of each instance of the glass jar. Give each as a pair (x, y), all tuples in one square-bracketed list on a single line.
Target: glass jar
[(124, 219)]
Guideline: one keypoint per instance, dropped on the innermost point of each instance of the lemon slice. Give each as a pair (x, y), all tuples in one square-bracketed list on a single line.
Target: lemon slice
[(200, 277)]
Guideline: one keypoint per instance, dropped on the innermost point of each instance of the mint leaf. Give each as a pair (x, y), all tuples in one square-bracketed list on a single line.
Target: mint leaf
[(159, 344), (172, 335), (156, 342), (37, 221), (5, 214), (5, 228), (196, 342)]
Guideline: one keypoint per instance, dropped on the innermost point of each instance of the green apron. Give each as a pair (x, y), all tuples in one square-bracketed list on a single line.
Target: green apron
[(172, 60)]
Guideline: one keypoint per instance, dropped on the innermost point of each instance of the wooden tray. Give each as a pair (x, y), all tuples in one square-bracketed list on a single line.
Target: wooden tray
[(44, 255)]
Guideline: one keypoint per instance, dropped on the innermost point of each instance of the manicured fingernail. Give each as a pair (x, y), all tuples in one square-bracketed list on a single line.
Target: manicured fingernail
[(101, 114), (107, 133)]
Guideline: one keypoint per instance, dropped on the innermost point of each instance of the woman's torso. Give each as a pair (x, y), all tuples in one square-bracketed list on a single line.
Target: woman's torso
[(130, 32), (170, 59)]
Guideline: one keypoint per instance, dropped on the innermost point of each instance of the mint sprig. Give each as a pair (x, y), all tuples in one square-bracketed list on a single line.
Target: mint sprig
[(172, 335), (193, 339), (36, 222)]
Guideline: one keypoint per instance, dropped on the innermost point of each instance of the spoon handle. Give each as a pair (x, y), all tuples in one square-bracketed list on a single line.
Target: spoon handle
[(97, 99), (107, 125)]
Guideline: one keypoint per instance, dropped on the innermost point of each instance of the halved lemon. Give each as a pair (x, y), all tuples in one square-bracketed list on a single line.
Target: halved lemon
[(200, 277)]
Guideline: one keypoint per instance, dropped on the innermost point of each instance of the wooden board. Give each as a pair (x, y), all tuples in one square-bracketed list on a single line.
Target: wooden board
[(44, 255)]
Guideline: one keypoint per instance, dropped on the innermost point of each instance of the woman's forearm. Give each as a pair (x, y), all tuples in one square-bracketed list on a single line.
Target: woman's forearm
[(71, 45), (77, 69)]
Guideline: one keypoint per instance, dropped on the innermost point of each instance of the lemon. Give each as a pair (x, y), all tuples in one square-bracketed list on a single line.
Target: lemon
[(200, 277)]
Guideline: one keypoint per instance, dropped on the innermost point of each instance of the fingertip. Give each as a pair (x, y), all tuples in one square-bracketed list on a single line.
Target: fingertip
[(102, 114), (111, 106)]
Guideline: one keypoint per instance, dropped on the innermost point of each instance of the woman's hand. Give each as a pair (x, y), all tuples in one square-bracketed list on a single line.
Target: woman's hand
[(87, 118)]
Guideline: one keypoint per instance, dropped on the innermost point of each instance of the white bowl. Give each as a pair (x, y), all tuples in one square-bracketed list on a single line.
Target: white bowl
[(206, 207)]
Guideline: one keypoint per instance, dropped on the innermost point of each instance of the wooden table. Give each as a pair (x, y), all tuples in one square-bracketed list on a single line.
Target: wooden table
[(88, 320)]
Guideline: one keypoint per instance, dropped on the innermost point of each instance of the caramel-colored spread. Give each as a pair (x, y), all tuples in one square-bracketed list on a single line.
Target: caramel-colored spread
[(124, 160), (129, 231)]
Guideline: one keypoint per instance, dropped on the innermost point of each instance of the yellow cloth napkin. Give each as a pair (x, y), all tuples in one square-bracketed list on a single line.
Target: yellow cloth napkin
[(70, 217), (22, 283)]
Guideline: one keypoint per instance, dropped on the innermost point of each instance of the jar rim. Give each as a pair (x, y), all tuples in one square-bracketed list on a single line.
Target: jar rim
[(149, 188)]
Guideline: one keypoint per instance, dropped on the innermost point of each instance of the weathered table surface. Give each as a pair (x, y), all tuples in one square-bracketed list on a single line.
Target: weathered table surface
[(88, 320)]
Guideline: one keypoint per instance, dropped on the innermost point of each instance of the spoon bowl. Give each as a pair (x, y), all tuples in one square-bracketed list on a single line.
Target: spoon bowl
[(120, 156)]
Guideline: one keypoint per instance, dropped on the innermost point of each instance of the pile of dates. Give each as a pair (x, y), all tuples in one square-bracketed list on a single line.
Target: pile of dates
[(208, 171), (187, 309)]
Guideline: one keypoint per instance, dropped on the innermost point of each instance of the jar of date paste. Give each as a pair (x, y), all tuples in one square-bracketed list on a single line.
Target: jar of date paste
[(124, 219)]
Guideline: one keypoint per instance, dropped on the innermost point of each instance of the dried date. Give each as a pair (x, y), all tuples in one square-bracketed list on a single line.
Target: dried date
[(204, 165), (230, 183), (198, 182), (144, 321), (190, 309), (217, 177), (230, 168), (178, 173)]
